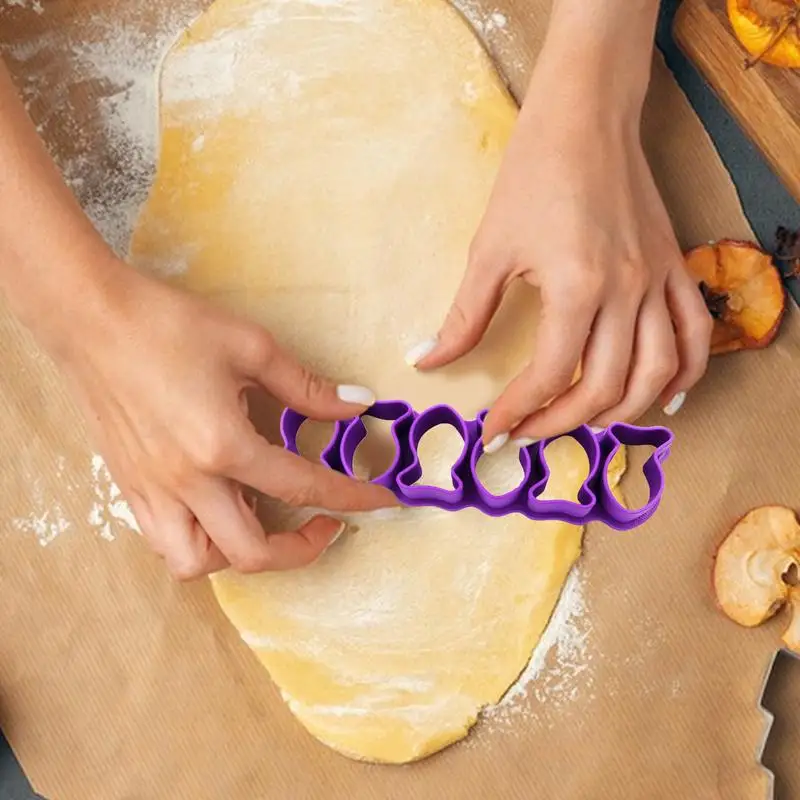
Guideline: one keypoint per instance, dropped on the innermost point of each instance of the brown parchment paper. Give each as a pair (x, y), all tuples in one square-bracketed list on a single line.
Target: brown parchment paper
[(117, 683)]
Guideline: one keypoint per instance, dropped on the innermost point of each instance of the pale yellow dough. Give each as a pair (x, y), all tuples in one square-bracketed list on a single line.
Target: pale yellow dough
[(323, 167)]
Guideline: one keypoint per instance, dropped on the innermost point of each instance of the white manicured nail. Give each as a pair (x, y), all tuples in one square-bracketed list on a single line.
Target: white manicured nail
[(595, 429), (359, 395), (418, 352), (496, 443), (336, 535), (524, 441), (674, 405)]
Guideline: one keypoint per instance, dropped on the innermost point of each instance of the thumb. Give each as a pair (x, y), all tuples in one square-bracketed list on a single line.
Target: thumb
[(303, 390), (475, 304)]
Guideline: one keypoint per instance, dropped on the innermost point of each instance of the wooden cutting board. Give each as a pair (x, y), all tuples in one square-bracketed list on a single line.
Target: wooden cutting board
[(764, 100)]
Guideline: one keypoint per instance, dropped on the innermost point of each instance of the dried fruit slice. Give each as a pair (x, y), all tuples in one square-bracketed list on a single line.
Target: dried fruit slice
[(751, 568), (768, 29), (743, 291), (791, 637)]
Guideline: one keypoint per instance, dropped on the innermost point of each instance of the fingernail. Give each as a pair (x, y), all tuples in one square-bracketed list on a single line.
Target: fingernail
[(524, 441), (674, 405), (359, 395), (418, 352), (495, 444), (339, 532), (595, 429)]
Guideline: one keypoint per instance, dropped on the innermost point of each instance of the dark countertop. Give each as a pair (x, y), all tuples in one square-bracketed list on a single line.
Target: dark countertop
[(765, 202)]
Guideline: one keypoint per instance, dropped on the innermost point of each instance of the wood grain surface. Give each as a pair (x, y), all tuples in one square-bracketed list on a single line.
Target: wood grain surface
[(765, 100)]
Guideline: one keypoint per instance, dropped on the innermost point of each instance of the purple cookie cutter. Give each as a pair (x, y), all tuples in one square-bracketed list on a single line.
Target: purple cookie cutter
[(595, 500)]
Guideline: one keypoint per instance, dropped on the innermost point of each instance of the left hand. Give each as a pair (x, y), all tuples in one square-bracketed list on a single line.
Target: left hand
[(575, 211)]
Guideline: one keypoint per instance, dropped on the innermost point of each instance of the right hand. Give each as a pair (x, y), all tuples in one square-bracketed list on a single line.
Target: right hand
[(575, 211), (161, 376)]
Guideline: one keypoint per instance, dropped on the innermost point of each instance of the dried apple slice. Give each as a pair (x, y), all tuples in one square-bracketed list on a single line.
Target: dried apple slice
[(752, 566), (743, 291), (791, 637), (768, 29)]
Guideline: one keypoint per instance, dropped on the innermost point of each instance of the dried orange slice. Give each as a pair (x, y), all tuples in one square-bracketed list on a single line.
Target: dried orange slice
[(743, 291), (768, 29), (752, 568)]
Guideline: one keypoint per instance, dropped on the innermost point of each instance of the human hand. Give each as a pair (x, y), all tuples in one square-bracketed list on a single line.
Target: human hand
[(161, 375), (575, 212)]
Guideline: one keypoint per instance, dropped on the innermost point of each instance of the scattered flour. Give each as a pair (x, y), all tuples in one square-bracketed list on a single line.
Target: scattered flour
[(110, 169), (483, 23), (125, 59), (31, 5), (109, 506), (122, 56), (49, 518), (558, 659), (46, 521), (497, 20)]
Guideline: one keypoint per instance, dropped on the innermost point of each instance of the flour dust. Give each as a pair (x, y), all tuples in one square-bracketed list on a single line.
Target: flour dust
[(113, 141), (47, 519), (560, 666), (30, 5), (112, 162), (109, 507), (53, 503)]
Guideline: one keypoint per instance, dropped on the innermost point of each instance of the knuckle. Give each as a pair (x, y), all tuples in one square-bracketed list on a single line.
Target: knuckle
[(256, 345), (212, 452), (632, 279), (250, 561), (580, 288), (608, 395), (476, 257), (177, 467), (663, 369), (188, 566), (481, 255)]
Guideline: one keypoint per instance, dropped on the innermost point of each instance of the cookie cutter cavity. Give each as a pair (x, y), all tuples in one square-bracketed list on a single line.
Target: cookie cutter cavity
[(595, 499), (512, 500), (401, 415), (292, 421), (619, 435), (417, 494), (567, 510)]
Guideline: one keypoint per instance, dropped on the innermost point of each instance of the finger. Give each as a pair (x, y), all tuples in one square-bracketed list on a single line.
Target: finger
[(693, 327), (654, 364), (212, 558), (604, 373), (293, 549), (298, 387), (560, 340), (288, 477), (475, 303), (141, 513), (231, 523), (176, 535)]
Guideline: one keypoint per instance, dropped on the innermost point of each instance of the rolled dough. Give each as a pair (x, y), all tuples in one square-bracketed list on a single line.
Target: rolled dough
[(323, 166)]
